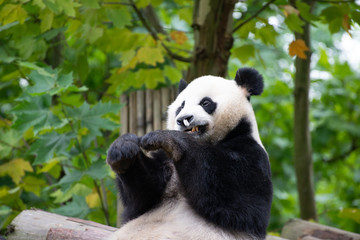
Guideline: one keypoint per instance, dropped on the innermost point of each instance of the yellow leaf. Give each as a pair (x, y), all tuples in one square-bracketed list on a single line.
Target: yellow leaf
[(179, 37), (48, 166), (33, 184), (298, 48), (149, 55), (93, 200), (288, 9), (3, 191), (15, 169)]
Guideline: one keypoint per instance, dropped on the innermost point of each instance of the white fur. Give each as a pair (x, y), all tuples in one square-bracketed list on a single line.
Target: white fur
[(174, 220), (232, 105)]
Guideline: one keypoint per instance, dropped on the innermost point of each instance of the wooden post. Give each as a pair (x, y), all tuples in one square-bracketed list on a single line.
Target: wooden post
[(157, 110), (140, 108), (149, 110), (132, 113), (165, 100)]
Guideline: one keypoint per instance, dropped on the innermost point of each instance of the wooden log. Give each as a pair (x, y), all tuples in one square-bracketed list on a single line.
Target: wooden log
[(296, 229), (149, 110), (124, 114), (41, 225)]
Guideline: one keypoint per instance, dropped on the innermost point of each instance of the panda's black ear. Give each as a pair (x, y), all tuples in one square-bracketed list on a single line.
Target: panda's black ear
[(251, 80), (182, 85)]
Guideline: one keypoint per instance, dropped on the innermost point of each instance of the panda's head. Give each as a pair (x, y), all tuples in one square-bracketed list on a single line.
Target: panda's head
[(210, 107)]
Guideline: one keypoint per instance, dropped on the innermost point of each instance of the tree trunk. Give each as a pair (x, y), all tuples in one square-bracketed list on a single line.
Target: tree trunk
[(212, 24), (302, 138)]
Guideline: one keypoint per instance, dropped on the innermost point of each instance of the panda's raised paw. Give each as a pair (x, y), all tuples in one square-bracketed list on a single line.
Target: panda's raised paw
[(123, 152), (162, 139)]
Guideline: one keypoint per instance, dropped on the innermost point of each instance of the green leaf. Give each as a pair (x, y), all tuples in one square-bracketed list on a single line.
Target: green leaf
[(9, 139), (266, 34), (49, 81), (294, 23), (120, 17), (98, 170), (36, 113), (76, 208), (244, 53), (91, 118), (305, 12), (47, 18), (173, 74), (78, 189), (246, 29), (91, 3), (5, 210), (50, 144), (11, 13), (355, 15), (94, 34)]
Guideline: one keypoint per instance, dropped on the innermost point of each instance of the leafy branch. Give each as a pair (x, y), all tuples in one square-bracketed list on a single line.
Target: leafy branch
[(87, 163), (154, 35), (253, 16)]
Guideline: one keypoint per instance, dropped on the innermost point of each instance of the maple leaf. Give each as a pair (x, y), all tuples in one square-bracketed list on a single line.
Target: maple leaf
[(298, 48), (179, 37), (150, 56), (15, 169)]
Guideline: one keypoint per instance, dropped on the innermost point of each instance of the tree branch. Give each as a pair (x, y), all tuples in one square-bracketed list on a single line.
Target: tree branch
[(154, 35), (253, 16), (343, 155)]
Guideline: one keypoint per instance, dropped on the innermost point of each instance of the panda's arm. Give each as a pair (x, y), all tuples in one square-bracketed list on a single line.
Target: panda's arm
[(141, 180), (229, 184)]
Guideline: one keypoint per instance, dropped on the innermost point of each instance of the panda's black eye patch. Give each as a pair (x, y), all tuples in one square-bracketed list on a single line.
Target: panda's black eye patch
[(178, 110), (208, 105)]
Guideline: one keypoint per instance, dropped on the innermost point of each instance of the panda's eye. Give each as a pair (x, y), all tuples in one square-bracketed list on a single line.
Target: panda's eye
[(205, 103)]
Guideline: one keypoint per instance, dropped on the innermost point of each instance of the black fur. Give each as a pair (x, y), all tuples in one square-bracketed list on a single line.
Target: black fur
[(180, 108), (208, 105), (182, 85), (228, 184), (141, 180), (250, 79)]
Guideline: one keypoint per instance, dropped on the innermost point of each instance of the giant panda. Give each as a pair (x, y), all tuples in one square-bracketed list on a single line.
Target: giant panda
[(207, 176)]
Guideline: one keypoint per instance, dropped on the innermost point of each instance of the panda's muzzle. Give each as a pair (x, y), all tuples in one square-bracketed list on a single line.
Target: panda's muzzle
[(188, 124)]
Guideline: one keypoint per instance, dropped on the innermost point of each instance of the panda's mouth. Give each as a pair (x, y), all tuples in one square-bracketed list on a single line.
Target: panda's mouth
[(196, 129)]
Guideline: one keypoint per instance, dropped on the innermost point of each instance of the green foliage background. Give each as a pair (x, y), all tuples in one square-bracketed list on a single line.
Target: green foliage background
[(64, 63)]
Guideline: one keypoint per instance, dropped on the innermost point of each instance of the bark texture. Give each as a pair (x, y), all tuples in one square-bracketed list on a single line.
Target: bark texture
[(212, 24), (302, 138)]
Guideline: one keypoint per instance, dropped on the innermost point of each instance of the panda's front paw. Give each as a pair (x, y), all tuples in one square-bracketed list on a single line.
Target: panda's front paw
[(162, 139), (123, 152)]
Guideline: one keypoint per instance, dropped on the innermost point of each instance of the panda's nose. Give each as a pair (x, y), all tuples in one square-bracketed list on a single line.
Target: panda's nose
[(185, 120)]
